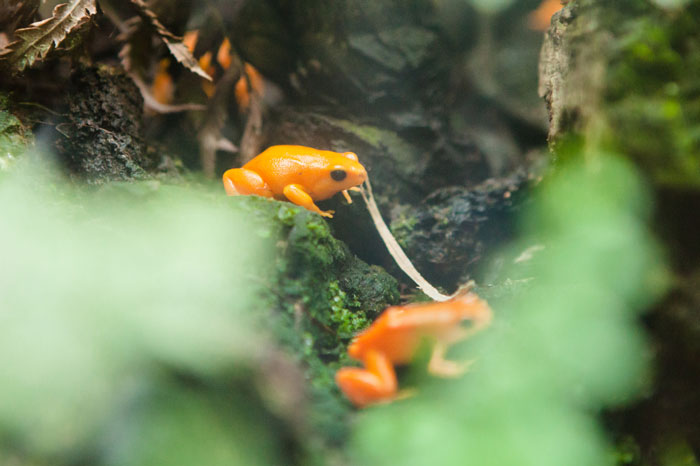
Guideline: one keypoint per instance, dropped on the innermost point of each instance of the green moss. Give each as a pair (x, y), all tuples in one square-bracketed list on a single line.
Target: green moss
[(627, 452), (348, 322), (402, 228), (650, 101), (15, 137)]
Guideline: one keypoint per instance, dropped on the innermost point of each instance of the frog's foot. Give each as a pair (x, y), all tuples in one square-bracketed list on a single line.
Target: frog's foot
[(442, 367), (346, 194), (372, 385), (295, 193), (406, 393), (243, 181)]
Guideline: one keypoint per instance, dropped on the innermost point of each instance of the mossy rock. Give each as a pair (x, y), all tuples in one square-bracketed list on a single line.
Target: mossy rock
[(320, 295)]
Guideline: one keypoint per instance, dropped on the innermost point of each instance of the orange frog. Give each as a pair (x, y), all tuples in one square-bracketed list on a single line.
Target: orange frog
[(396, 335), (299, 174)]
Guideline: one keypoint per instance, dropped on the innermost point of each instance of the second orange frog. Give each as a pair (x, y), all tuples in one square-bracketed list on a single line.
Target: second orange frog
[(396, 335)]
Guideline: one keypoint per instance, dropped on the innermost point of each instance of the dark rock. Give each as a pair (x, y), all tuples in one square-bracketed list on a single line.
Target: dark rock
[(454, 228), (102, 137), (352, 53)]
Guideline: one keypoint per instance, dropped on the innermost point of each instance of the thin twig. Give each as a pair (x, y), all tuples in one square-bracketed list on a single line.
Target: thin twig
[(394, 248), (151, 103)]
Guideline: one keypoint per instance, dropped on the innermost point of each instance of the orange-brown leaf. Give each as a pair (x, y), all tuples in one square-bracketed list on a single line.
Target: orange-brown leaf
[(540, 19), (223, 56)]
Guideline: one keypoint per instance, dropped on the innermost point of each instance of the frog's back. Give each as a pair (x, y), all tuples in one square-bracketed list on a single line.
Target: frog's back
[(280, 166), (285, 160)]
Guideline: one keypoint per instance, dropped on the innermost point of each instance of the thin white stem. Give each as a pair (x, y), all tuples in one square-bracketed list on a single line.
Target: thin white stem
[(395, 249)]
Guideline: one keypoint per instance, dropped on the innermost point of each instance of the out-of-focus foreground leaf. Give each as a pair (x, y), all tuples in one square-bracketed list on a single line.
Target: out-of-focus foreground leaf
[(38, 39), (491, 6), (558, 352), (103, 296)]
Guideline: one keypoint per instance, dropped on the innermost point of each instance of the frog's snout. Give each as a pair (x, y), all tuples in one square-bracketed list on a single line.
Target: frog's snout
[(359, 176)]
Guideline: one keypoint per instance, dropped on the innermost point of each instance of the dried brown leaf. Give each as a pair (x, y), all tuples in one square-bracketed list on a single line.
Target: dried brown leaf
[(174, 43), (36, 41)]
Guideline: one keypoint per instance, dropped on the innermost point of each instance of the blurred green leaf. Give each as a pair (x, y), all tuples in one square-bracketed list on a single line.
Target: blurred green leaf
[(557, 352), (177, 427), (98, 289), (490, 6)]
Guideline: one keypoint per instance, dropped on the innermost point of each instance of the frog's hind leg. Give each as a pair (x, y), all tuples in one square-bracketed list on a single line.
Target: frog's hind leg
[(365, 386), (243, 181)]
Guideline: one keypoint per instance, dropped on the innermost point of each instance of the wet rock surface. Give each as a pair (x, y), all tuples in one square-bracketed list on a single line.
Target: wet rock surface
[(452, 229)]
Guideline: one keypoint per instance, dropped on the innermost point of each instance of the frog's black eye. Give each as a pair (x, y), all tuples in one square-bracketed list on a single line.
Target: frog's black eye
[(338, 175)]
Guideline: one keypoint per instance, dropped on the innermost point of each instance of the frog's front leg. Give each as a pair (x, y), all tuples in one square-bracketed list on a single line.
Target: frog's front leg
[(442, 367), (365, 386), (295, 193), (243, 181)]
